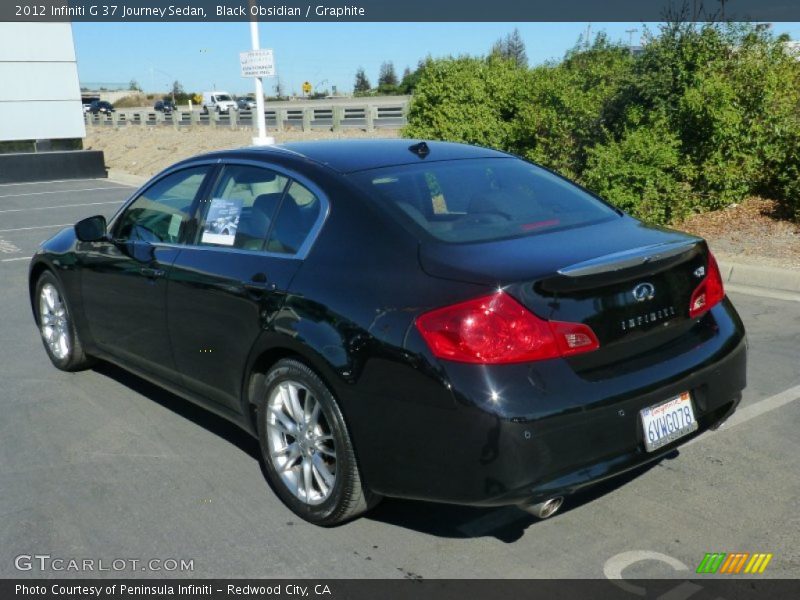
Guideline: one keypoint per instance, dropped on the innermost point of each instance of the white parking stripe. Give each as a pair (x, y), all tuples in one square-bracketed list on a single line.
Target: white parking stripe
[(755, 410), (505, 516), (57, 181), (15, 259), (9, 210), (63, 191), (37, 227)]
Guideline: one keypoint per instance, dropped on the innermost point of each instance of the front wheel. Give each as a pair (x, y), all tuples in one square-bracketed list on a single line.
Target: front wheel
[(57, 327), (308, 456)]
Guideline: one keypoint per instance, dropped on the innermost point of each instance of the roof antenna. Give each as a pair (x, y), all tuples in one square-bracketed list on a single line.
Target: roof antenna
[(420, 149)]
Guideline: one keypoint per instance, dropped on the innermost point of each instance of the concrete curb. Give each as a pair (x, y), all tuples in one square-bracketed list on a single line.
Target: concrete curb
[(124, 178), (748, 278), (757, 276)]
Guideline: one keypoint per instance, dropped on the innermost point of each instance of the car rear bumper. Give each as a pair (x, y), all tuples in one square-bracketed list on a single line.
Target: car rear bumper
[(527, 432)]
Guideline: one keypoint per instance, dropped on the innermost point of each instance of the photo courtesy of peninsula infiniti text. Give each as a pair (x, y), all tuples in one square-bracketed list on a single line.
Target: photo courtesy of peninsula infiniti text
[(402, 318)]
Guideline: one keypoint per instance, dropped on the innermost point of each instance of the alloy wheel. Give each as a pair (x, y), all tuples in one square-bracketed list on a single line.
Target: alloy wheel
[(54, 321), (300, 442)]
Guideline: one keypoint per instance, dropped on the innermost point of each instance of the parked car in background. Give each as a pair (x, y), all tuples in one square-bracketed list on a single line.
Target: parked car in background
[(219, 102), (246, 103), (101, 106), (165, 106), (399, 318)]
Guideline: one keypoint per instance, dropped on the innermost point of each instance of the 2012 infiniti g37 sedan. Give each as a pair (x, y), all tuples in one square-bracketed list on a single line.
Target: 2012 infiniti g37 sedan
[(402, 318)]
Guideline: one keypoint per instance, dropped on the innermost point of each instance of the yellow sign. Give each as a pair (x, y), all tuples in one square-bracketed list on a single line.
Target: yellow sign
[(306, 87)]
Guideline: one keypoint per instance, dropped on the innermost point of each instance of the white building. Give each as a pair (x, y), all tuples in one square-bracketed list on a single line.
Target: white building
[(40, 96)]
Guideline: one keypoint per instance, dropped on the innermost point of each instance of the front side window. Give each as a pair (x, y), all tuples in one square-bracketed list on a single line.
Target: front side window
[(242, 207), (160, 214)]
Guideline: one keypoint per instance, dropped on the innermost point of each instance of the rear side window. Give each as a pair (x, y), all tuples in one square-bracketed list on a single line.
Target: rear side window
[(242, 207), (299, 212), (481, 199)]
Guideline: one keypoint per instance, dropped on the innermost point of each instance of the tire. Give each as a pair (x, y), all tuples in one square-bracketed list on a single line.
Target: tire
[(310, 462), (57, 326)]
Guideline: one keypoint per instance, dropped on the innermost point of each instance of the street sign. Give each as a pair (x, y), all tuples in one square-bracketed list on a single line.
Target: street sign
[(306, 87), (257, 63)]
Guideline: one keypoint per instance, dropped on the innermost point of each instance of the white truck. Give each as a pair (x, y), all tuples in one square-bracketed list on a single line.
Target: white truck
[(220, 102)]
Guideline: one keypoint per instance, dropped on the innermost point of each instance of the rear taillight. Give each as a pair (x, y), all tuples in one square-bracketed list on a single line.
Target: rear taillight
[(497, 329), (710, 291)]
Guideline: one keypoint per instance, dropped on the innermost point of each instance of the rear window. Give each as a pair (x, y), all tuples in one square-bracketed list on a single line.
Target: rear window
[(481, 199)]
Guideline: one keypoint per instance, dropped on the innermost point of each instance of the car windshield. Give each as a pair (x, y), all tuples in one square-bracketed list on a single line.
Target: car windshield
[(481, 199), (223, 98)]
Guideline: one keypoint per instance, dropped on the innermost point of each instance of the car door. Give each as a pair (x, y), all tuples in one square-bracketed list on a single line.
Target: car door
[(254, 230), (124, 279)]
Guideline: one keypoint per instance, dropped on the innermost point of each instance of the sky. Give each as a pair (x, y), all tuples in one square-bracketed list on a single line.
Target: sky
[(205, 56)]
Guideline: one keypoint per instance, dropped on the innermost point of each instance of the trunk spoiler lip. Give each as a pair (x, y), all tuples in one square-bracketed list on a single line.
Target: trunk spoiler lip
[(626, 259)]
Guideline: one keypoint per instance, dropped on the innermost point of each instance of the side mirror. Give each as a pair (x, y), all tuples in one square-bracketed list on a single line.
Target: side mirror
[(91, 229)]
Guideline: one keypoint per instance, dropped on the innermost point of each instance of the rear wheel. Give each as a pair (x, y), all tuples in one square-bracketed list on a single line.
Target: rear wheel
[(57, 327), (307, 451)]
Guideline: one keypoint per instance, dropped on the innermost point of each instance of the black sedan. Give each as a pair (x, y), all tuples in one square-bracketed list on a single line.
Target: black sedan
[(101, 106), (397, 318)]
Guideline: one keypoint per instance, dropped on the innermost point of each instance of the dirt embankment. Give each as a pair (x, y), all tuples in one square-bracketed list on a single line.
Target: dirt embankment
[(148, 150)]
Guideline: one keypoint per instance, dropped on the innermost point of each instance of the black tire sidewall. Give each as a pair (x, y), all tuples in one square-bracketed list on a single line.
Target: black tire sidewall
[(327, 512)]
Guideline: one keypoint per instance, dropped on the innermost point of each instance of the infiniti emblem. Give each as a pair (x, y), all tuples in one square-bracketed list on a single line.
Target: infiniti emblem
[(644, 291)]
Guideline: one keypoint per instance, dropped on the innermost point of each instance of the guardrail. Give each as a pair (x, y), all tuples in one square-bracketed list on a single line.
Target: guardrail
[(307, 118)]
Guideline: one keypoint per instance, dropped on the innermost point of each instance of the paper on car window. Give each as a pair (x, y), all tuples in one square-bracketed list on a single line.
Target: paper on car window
[(222, 221), (174, 228)]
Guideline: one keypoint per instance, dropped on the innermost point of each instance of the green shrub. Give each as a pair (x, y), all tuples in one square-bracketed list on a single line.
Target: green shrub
[(472, 100), (705, 116)]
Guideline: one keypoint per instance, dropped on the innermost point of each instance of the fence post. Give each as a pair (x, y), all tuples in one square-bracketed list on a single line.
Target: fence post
[(369, 113), (337, 118), (213, 119), (233, 117), (195, 117), (177, 117), (143, 119), (307, 113), (279, 118)]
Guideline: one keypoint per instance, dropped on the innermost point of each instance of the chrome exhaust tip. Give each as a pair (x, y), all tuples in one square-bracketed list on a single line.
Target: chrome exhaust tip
[(545, 509)]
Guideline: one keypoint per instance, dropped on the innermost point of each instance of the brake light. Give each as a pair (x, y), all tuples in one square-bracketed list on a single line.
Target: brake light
[(497, 329), (710, 291)]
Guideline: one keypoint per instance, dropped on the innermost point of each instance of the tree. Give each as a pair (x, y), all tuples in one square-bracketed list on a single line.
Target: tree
[(177, 89), (134, 86), (512, 48), (361, 85), (387, 79)]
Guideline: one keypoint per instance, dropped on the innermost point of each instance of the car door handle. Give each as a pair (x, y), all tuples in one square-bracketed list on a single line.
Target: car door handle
[(151, 272), (258, 283)]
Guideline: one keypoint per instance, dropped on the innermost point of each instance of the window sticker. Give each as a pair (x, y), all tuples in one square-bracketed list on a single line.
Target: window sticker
[(174, 228), (222, 221)]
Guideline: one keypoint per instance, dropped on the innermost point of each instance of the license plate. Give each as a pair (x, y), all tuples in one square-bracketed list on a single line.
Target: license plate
[(666, 422)]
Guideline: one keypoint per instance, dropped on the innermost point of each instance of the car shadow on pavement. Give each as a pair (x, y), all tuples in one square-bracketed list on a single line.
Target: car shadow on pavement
[(196, 414), (507, 524)]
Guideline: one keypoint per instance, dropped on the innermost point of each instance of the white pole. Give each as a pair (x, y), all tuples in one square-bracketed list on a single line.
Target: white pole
[(262, 139)]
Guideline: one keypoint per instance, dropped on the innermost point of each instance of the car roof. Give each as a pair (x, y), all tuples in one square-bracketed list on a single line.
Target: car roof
[(349, 155)]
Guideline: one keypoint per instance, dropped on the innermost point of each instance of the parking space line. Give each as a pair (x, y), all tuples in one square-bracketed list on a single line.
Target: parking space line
[(15, 259), (37, 227), (56, 181), (63, 191), (754, 410), (9, 210)]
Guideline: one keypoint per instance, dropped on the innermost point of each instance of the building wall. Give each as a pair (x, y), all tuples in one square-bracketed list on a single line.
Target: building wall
[(40, 95)]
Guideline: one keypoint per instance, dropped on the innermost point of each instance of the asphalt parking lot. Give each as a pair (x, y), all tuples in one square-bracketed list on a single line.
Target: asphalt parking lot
[(103, 465)]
